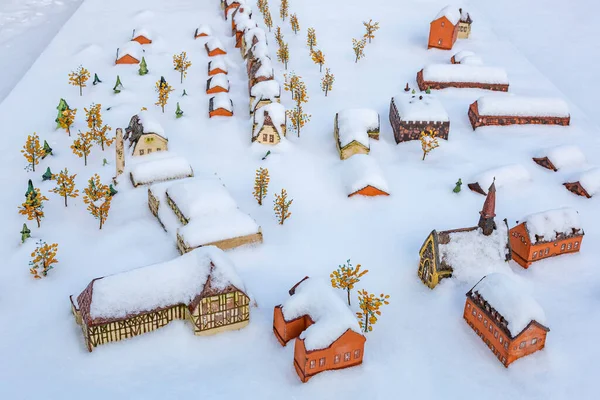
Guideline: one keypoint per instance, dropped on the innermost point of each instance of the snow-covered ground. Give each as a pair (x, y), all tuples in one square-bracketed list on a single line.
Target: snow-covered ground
[(420, 347)]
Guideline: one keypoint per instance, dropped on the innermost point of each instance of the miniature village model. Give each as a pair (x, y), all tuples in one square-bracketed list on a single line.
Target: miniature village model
[(261, 70), (201, 287), (464, 24), (265, 92), (145, 135), (507, 320), (440, 76), (243, 25), (411, 114), (251, 37), (362, 176), (546, 234), (217, 65), (129, 53), (142, 36), (220, 105), (507, 175), (217, 84), (214, 47), (202, 31), (466, 57), (326, 331), (269, 124), (159, 167), (587, 185), (560, 157), (352, 130), (443, 30)]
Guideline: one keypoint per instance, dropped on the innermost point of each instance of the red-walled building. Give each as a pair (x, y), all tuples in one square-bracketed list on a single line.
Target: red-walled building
[(443, 30)]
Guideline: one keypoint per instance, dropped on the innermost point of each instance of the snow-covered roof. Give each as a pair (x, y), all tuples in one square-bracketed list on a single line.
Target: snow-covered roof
[(199, 197), (464, 73), (266, 68), (259, 50), (257, 33), (218, 226), (276, 112), (218, 80), (214, 43), (218, 62), (222, 100), (471, 60), (151, 124), (360, 171), (590, 180), (142, 32), (547, 224), (464, 16), (522, 106), (510, 299), (565, 156), (132, 48), (157, 167), (230, 2), (420, 107), (462, 54), (505, 176), (161, 285), (205, 29), (266, 90), (245, 24), (331, 316), (450, 12), (354, 124)]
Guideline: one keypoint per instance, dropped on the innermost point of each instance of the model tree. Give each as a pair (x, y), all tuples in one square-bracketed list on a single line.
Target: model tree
[(429, 141), (457, 188), (118, 85), (345, 277), (284, 9), (181, 64), (46, 150), (282, 206), (82, 145), (25, 233), (62, 106), (97, 130), (178, 112), (66, 119), (291, 83), (327, 81), (32, 151), (369, 306), (44, 256), (278, 36), (79, 77), (359, 48), (163, 89), (295, 24), (268, 19), (97, 196), (311, 38), (370, 28), (65, 185), (261, 185), (297, 117), (48, 175), (262, 5), (428, 90), (96, 80), (283, 54), (143, 67), (33, 207), (319, 58)]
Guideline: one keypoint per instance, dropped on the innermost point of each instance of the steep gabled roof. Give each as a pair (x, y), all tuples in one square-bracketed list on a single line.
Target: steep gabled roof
[(452, 13)]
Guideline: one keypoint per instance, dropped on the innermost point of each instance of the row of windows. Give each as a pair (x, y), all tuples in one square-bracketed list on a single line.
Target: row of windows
[(563, 247), (149, 151), (336, 359)]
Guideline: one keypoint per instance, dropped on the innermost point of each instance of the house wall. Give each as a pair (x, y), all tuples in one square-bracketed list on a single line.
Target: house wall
[(229, 9), (532, 339), (226, 244), (464, 30), (220, 112), (527, 253), (428, 269), (127, 59), (182, 218), (150, 143), (215, 71), (153, 203), (215, 52), (284, 330), (261, 103), (488, 329), (221, 312), (216, 89), (351, 149), (268, 135), (442, 34), (492, 120), (369, 191), (411, 130), (423, 85)]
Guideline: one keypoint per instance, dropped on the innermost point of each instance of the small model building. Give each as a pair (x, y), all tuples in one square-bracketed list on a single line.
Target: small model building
[(238, 15), (507, 175), (510, 110), (252, 37), (241, 27), (145, 135), (411, 114), (262, 70), (440, 76), (587, 185), (129, 53), (220, 105), (352, 129), (450, 252), (214, 47), (142, 36), (201, 287), (362, 176), (202, 31), (217, 65), (217, 84), (561, 157), (507, 319), (254, 55), (327, 333), (466, 57), (229, 6), (269, 124), (159, 167), (546, 234), (263, 93), (464, 24), (443, 30)]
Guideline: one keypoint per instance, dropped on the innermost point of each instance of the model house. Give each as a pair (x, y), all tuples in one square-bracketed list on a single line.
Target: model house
[(445, 253), (327, 333), (506, 175), (201, 287), (159, 167), (130, 53), (263, 93), (251, 37), (507, 319), (559, 157), (254, 55), (510, 110), (229, 6), (142, 36), (352, 130), (440, 76), (220, 105), (466, 57), (242, 26), (236, 15), (363, 177), (411, 114), (217, 65), (217, 84), (443, 30), (464, 24), (587, 184), (145, 135), (203, 31), (269, 125), (262, 70), (214, 47)]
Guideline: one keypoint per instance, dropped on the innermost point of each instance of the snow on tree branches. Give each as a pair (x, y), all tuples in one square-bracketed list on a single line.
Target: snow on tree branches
[(283, 54), (44, 256), (429, 141), (311, 38), (82, 145), (370, 27), (295, 23), (65, 185), (261, 185), (181, 64), (282, 206), (327, 81), (97, 130), (163, 89), (359, 48), (66, 119), (345, 277), (33, 151), (33, 206), (97, 196), (369, 306), (319, 58), (284, 9), (79, 77)]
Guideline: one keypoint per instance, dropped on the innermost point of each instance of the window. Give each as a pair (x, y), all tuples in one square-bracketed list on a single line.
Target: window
[(312, 364), (149, 151), (347, 356), (158, 149), (322, 362), (562, 247), (230, 304), (479, 317), (356, 354), (219, 318), (468, 305), (533, 341), (474, 312), (440, 41), (141, 152), (336, 359), (501, 339), (214, 305), (443, 24), (265, 137), (271, 138), (496, 334), (576, 244), (522, 345), (547, 251), (485, 323), (569, 246), (534, 255), (506, 344), (503, 360), (491, 328)]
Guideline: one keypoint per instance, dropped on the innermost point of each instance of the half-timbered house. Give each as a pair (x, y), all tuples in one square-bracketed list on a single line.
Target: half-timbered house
[(262, 70), (250, 37), (145, 135), (265, 92), (269, 124)]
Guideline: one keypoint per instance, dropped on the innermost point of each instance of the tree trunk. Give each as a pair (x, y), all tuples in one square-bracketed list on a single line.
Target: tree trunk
[(163, 108), (102, 144), (326, 90), (65, 199), (85, 158), (80, 90), (101, 221), (348, 290), (424, 155), (366, 322), (33, 161), (298, 128), (181, 76), (69, 130), (37, 218), (320, 67)]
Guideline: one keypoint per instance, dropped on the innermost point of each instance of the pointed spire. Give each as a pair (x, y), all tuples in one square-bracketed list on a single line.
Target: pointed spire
[(489, 206)]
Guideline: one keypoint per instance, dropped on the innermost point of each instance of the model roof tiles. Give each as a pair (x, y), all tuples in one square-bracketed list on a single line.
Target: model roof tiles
[(420, 107), (522, 106), (464, 73), (452, 13)]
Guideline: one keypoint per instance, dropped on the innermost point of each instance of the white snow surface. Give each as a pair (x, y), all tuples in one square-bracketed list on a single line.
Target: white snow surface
[(471, 60), (464, 73), (506, 175), (420, 107), (219, 80), (218, 62), (214, 43), (259, 50), (522, 106), (265, 90), (245, 24), (156, 167), (451, 12), (590, 180), (132, 48), (198, 197), (332, 317), (360, 171), (164, 284), (458, 57), (222, 100), (277, 113), (266, 68), (565, 156), (210, 228), (511, 300), (548, 224), (151, 124)]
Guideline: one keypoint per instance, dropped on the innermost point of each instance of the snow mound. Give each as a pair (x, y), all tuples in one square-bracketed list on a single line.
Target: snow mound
[(420, 107), (452, 13), (204, 29), (464, 73), (505, 176), (132, 48), (152, 169), (213, 44), (142, 32), (565, 156), (472, 60), (548, 224), (218, 62), (522, 106), (222, 100), (354, 124), (254, 32), (590, 180), (458, 57), (219, 80), (360, 171), (210, 228), (151, 124), (198, 197)]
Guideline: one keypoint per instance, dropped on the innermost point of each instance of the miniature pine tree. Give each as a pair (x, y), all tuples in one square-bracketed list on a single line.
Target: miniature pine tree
[(457, 188), (65, 185), (369, 306), (370, 27), (181, 64), (282, 206), (104, 162), (118, 85), (184, 93), (25, 233), (298, 118), (284, 9), (79, 77), (44, 256), (48, 176), (283, 54), (319, 58), (295, 23), (96, 80), (429, 141), (359, 48), (261, 185), (345, 277), (163, 89), (33, 206), (327, 81), (62, 106), (311, 38), (47, 150), (66, 119), (428, 90), (291, 83), (97, 130), (178, 112), (278, 36), (413, 91), (268, 19), (97, 196), (143, 67), (266, 155), (82, 145), (30, 189), (111, 190), (32, 151)]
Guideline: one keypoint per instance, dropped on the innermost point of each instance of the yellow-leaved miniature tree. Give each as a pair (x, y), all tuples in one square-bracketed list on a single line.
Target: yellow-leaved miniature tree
[(97, 196), (429, 141), (345, 277), (278, 36), (319, 58), (82, 146), (359, 48), (327, 81), (295, 23), (261, 184), (284, 9), (33, 207), (163, 89), (44, 256), (283, 54), (181, 64), (33, 151), (261, 5), (311, 38), (97, 130), (268, 18), (297, 117), (66, 119), (79, 77), (282, 206), (291, 83), (65, 185), (370, 27), (369, 306)]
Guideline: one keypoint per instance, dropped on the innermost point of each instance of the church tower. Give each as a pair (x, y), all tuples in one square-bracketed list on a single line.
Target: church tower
[(488, 212)]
